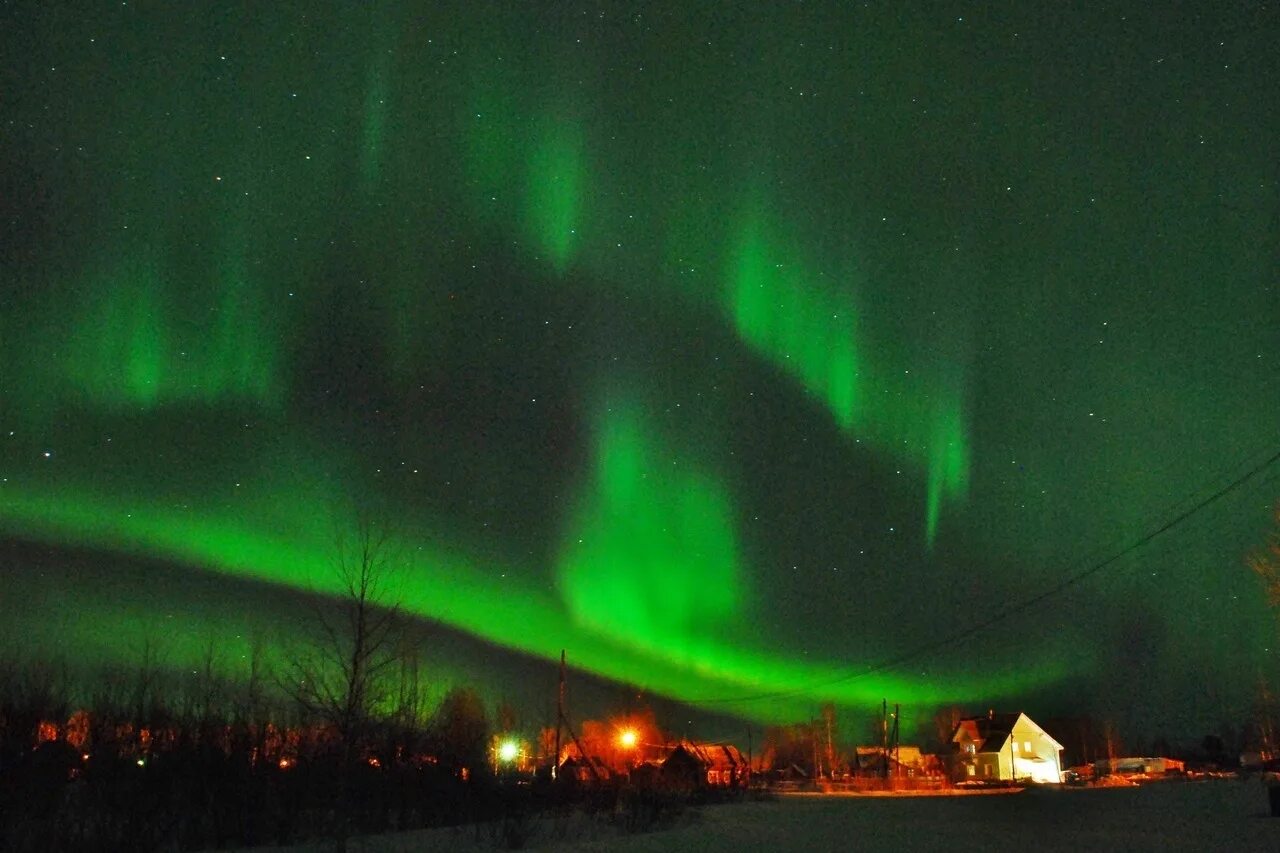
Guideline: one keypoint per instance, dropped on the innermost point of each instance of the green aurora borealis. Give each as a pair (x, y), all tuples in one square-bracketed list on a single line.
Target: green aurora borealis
[(735, 348)]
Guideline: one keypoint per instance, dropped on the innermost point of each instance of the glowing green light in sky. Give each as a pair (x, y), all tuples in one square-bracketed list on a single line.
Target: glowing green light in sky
[(805, 325), (554, 195), (657, 611), (650, 557), (250, 262), (241, 361), (140, 339), (802, 324), (948, 467), (117, 345)]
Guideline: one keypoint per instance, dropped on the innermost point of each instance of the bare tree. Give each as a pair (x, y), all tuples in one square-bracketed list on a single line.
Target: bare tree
[(1265, 562), (829, 721), (251, 713), (146, 695), (344, 677), (412, 689), (206, 690), (461, 731)]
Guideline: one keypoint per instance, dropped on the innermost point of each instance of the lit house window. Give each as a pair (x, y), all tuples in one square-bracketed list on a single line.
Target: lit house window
[(1015, 746), (1026, 746)]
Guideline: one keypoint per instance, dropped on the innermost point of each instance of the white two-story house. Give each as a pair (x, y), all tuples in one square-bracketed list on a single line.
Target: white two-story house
[(1006, 747)]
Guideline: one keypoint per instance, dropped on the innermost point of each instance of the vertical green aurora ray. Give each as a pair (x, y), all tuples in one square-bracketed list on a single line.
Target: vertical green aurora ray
[(328, 143), (650, 558), (807, 328), (554, 193), (789, 316), (115, 347), (948, 477), (144, 337), (242, 359)]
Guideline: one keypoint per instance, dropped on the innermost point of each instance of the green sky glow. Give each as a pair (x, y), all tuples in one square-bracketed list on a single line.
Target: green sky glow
[(732, 350), (650, 556), (553, 204), (802, 323)]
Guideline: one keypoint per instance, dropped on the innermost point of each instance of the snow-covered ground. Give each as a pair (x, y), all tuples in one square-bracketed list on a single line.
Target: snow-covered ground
[(1194, 816)]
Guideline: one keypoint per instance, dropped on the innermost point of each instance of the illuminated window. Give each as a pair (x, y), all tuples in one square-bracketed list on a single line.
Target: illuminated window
[(1026, 746), (1015, 746)]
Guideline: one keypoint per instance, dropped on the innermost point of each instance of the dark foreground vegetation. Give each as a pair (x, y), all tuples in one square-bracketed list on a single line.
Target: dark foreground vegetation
[(146, 761), (329, 738)]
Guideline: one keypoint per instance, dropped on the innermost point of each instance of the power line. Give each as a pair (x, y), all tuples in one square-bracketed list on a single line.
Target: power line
[(1001, 615)]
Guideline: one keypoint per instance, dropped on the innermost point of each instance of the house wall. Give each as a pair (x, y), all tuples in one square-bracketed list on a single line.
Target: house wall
[(1042, 746), (991, 767), (999, 760), (1006, 764), (1037, 771), (994, 766)]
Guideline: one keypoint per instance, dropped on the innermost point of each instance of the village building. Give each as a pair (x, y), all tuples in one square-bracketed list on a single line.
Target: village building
[(685, 765), (789, 776), (1138, 766), (1006, 748), (908, 762), (584, 769), (688, 765)]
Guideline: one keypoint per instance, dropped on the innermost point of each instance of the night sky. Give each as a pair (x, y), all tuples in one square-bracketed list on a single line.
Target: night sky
[(735, 348)]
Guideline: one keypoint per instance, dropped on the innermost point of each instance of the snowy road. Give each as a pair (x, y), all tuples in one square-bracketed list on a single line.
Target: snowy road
[(1191, 816)]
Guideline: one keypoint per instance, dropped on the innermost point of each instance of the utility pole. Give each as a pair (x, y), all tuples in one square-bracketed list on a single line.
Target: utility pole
[(884, 738), (562, 722), (829, 712), (813, 742), (555, 762), (897, 743)]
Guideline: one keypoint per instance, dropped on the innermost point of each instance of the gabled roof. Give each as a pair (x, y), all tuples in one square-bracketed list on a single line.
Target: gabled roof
[(711, 755), (983, 728), (994, 742), (992, 731), (905, 752), (905, 757)]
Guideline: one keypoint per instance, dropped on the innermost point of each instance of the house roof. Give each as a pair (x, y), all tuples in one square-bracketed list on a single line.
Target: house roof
[(994, 742), (903, 751), (867, 757), (993, 730), (983, 728), (717, 755)]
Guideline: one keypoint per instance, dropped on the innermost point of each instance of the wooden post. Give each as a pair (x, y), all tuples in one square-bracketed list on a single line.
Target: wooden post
[(555, 762), (884, 738)]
